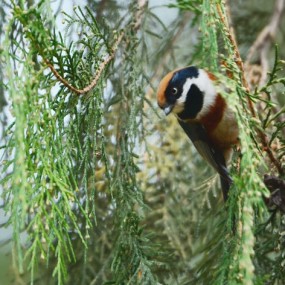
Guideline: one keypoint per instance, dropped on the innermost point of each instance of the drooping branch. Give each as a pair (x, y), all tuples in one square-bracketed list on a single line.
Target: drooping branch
[(239, 62), (238, 59)]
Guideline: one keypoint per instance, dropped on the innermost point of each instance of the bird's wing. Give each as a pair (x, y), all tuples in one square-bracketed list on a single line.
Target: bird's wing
[(197, 134)]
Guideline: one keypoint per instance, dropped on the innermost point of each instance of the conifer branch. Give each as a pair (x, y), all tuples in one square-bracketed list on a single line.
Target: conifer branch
[(261, 134), (238, 59), (98, 73)]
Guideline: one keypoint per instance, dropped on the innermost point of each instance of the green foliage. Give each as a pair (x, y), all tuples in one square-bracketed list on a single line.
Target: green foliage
[(50, 160), (185, 5), (104, 189), (57, 148)]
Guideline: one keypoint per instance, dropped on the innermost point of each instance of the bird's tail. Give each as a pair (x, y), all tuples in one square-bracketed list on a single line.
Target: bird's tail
[(226, 183)]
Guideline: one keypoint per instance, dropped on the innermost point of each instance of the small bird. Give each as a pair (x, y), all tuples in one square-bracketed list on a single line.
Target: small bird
[(203, 114)]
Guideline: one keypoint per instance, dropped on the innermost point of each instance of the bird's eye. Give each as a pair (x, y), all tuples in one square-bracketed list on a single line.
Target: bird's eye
[(174, 90)]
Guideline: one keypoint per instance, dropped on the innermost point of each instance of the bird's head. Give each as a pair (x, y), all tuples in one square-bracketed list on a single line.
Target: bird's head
[(187, 92)]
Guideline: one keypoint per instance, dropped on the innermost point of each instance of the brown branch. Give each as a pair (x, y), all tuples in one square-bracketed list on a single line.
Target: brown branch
[(97, 74), (265, 38), (262, 136), (238, 59)]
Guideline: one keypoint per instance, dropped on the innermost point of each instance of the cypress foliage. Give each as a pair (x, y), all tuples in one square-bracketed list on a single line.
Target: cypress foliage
[(97, 186)]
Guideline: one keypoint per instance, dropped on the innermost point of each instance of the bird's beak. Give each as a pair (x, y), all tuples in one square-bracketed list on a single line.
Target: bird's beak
[(167, 109)]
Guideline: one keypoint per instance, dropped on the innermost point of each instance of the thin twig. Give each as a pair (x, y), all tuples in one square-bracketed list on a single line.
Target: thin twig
[(97, 74), (139, 16), (239, 62)]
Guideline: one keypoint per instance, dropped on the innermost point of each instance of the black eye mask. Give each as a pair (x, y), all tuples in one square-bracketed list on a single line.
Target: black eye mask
[(193, 104), (178, 80)]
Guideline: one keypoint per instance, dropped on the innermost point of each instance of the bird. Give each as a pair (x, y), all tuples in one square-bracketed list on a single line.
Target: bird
[(190, 93)]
